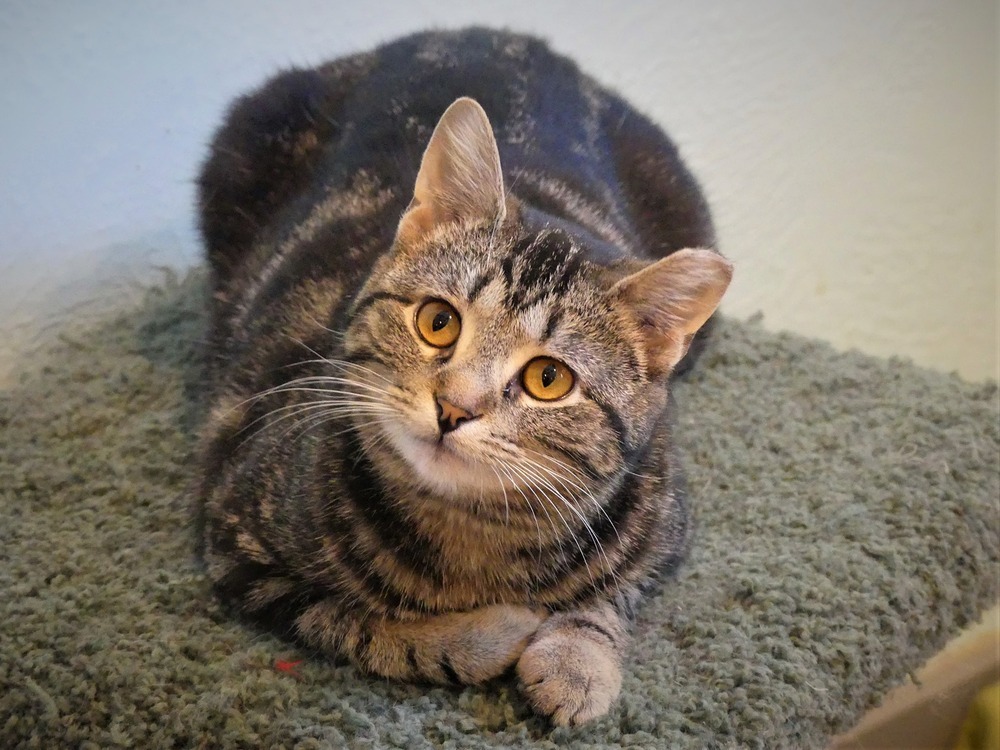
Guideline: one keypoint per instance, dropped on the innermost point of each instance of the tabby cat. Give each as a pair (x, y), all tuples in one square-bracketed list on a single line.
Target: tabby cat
[(438, 437)]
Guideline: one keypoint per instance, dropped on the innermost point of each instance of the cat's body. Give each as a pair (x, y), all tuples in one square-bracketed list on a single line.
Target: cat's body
[(385, 475)]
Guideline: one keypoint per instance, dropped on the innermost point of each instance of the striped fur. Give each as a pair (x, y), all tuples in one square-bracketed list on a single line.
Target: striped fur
[(334, 508)]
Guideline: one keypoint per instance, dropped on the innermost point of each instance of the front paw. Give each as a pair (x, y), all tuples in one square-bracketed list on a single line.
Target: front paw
[(494, 638), (568, 678)]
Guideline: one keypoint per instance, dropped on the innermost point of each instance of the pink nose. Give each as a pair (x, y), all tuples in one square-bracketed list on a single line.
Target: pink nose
[(451, 416)]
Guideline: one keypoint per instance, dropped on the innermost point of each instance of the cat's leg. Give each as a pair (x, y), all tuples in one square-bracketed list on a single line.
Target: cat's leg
[(571, 670), (463, 648)]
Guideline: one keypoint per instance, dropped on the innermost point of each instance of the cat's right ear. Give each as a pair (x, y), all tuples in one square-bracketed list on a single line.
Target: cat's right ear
[(460, 179)]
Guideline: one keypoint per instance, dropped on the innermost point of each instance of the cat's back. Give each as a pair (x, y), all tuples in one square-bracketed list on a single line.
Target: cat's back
[(536, 99), (309, 174), (308, 131)]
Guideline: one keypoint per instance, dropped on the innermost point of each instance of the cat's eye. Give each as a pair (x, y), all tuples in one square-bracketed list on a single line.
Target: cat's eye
[(546, 379), (438, 324)]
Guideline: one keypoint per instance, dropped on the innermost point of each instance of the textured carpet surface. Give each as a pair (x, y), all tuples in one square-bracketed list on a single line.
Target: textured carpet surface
[(847, 526)]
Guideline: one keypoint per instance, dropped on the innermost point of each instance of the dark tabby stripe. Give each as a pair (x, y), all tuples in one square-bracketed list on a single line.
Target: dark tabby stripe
[(537, 270), (374, 352), (411, 659), (571, 269), (582, 623), (576, 456), (279, 615), (551, 324), (381, 513), (547, 267), (480, 284), (449, 671), (365, 302), (618, 427)]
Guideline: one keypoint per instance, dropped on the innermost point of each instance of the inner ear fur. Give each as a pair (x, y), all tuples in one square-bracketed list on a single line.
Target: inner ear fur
[(460, 178), (674, 297)]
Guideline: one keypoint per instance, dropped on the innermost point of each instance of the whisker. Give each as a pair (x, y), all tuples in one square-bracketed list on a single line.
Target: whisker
[(375, 405), (542, 471), (343, 363), (580, 484), (319, 379), (292, 385), (332, 391), (317, 420), (548, 516), (380, 439), (527, 474), (316, 379), (500, 468), (339, 334), (642, 476), (334, 362), (506, 504), (339, 411)]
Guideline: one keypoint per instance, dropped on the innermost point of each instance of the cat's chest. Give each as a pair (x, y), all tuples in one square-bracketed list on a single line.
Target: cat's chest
[(484, 555)]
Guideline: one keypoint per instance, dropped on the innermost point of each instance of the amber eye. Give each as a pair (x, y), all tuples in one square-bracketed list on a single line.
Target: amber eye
[(547, 379), (438, 324)]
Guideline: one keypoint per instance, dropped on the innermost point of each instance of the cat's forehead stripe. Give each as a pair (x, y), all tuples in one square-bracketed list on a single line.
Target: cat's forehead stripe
[(550, 326), (479, 285), (539, 266)]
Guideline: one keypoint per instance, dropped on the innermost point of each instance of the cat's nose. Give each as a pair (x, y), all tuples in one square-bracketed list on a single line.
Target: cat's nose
[(451, 416)]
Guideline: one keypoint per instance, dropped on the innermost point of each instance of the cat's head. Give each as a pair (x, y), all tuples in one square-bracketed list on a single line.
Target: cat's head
[(501, 360)]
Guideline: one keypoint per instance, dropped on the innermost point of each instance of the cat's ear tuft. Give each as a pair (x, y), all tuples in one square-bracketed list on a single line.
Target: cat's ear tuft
[(460, 178), (672, 298)]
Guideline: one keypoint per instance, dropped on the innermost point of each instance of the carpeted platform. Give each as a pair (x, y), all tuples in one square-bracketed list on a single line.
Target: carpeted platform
[(848, 525)]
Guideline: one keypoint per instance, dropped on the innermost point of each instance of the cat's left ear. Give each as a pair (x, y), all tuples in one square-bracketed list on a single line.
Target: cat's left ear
[(460, 178), (672, 298)]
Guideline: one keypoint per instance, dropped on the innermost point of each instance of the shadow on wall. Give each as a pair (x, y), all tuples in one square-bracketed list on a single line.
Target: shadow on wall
[(43, 294)]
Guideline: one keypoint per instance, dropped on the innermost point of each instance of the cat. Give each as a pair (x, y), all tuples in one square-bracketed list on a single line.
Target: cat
[(451, 280)]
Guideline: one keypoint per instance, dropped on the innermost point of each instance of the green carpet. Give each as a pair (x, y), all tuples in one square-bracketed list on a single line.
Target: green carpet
[(847, 527)]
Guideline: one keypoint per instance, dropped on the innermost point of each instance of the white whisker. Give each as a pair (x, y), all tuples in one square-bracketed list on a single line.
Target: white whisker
[(317, 420), (319, 379), (297, 410), (331, 391), (579, 484), (506, 503), (340, 363), (333, 362), (538, 529), (526, 473), (542, 472), (311, 404)]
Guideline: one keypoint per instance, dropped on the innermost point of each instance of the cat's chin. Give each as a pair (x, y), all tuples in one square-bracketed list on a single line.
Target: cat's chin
[(441, 467)]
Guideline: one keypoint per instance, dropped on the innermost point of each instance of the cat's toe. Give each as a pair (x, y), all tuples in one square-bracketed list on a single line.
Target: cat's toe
[(571, 680)]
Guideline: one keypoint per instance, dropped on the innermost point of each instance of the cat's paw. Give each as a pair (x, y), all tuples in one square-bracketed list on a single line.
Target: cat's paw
[(491, 641), (570, 679)]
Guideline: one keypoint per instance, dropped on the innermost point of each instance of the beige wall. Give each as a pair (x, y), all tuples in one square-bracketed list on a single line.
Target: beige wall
[(849, 148)]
